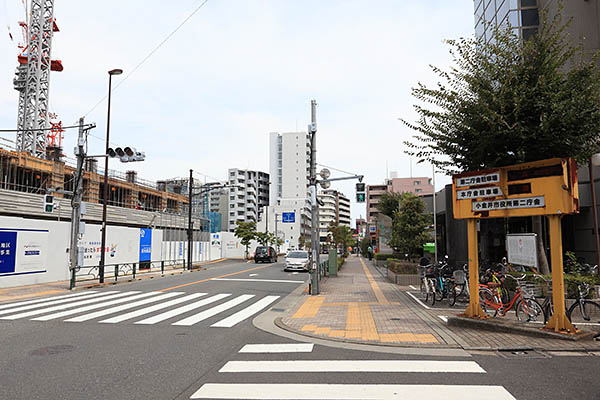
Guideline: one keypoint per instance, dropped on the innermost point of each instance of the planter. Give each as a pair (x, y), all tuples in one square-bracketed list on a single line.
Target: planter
[(403, 279), (380, 263)]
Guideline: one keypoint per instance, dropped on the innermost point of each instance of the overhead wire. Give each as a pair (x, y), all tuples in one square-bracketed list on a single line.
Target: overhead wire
[(337, 169), (150, 54)]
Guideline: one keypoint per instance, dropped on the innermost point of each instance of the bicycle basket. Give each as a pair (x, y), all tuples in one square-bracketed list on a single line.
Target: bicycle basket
[(459, 276), (530, 290)]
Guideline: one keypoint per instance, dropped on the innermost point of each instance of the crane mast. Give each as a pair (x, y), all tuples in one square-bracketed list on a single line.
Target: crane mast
[(32, 79)]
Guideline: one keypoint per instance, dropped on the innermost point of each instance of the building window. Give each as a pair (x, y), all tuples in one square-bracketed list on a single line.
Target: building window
[(417, 183), (418, 190)]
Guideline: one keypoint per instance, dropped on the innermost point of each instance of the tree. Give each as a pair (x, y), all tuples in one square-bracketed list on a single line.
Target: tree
[(340, 235), (507, 102), (264, 238), (365, 243), (388, 203), (246, 232), (411, 226)]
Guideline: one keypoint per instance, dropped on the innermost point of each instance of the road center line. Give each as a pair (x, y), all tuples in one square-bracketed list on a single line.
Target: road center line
[(256, 280), (214, 277)]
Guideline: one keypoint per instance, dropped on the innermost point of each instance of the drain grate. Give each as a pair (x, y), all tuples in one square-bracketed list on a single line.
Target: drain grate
[(278, 309), (521, 353)]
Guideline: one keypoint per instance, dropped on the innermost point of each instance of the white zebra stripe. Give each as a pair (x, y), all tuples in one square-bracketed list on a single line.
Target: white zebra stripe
[(181, 310), (245, 313), (189, 321), (45, 299)]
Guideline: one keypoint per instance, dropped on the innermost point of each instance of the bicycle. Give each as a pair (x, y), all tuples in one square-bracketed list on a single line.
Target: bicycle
[(428, 284), (584, 311), (526, 308)]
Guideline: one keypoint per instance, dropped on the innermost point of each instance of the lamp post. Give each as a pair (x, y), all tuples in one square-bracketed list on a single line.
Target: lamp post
[(105, 196)]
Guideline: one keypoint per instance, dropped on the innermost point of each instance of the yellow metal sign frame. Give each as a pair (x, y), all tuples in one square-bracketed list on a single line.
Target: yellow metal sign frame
[(546, 187)]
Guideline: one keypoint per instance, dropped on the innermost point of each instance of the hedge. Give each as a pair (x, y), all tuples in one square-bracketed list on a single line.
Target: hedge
[(380, 256), (340, 262), (402, 267)]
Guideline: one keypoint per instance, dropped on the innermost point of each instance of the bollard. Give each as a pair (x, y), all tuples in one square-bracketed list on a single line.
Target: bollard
[(116, 271), (133, 270), (162, 267)]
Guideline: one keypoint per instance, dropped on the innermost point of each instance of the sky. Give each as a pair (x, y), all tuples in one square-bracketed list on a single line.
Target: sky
[(238, 69)]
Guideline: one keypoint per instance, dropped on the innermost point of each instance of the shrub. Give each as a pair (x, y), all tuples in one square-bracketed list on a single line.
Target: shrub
[(383, 257), (340, 262), (402, 267)]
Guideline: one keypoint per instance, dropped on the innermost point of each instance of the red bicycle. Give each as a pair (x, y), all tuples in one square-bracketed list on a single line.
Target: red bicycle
[(491, 299)]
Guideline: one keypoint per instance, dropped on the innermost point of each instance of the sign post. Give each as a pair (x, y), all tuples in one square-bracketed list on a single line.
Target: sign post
[(547, 187)]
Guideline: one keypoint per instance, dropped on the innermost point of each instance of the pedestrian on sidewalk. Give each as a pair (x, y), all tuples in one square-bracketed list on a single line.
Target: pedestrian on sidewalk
[(370, 252)]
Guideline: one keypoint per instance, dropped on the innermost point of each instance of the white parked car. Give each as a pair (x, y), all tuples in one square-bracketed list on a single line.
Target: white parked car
[(296, 260)]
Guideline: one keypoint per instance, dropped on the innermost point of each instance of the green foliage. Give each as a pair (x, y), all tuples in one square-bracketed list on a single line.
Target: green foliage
[(341, 261), (246, 232), (410, 227), (364, 245), (380, 256), (388, 203), (341, 235), (402, 267), (507, 102), (263, 238)]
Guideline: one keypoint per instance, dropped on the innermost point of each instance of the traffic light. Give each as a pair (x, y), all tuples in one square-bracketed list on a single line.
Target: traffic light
[(360, 193), (126, 154), (48, 203)]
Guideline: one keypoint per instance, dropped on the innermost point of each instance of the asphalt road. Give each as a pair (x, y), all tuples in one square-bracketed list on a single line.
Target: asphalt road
[(56, 359)]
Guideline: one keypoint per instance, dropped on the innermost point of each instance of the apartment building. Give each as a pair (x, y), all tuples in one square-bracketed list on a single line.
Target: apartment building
[(248, 195), (420, 186), (335, 209)]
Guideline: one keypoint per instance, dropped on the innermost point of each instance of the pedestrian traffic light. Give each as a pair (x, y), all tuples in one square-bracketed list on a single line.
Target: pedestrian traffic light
[(360, 197), (48, 203), (360, 187)]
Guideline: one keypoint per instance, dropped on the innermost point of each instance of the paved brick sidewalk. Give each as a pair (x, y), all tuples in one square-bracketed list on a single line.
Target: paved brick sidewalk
[(360, 305)]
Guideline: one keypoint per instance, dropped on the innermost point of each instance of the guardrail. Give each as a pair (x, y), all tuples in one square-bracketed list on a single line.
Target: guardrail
[(114, 271)]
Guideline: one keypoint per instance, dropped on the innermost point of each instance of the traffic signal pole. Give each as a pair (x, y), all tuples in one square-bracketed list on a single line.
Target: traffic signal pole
[(314, 234)]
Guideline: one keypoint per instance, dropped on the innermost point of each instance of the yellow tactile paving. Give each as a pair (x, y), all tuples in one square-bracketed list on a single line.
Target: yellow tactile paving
[(310, 308), (337, 333), (322, 331), (368, 330), (408, 337), (378, 293), (309, 327), (353, 317)]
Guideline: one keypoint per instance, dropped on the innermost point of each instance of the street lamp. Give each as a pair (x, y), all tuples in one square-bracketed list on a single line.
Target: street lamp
[(105, 196)]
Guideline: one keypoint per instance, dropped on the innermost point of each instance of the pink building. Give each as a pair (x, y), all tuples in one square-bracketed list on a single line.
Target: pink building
[(419, 186)]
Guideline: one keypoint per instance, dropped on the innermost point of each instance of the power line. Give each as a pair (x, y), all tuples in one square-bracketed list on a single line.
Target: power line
[(150, 54), (44, 129), (338, 170)]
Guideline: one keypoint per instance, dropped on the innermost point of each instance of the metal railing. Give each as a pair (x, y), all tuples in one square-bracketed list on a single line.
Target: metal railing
[(114, 271)]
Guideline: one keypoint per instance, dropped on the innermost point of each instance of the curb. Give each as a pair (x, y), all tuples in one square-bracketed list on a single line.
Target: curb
[(507, 327)]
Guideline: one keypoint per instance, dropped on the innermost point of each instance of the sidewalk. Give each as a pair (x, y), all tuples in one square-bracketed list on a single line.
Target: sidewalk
[(42, 289), (361, 306)]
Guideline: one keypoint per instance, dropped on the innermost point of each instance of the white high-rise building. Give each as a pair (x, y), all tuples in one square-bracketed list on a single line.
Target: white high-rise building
[(248, 194), (289, 169), (335, 209)]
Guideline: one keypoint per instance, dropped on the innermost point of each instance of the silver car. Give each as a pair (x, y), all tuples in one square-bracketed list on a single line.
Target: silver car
[(296, 261)]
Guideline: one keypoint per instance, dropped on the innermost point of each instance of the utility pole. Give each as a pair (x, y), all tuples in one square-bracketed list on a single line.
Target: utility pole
[(314, 237), (76, 205), (276, 235), (434, 217), (190, 232)]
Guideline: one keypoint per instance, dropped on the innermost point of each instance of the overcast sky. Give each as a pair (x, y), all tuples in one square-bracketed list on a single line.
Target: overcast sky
[(236, 71)]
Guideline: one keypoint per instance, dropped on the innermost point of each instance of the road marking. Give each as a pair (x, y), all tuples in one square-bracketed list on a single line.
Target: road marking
[(253, 275), (127, 306), (412, 287), (418, 301), (65, 306), (257, 280), (181, 310), (321, 391), (247, 312), (278, 348), (23, 303), (443, 318), (92, 307), (53, 302), (189, 321), (374, 286), (428, 366), (214, 277), (153, 308)]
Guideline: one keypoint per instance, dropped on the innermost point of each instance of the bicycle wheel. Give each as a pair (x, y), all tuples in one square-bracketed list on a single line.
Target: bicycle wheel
[(489, 302), (529, 310), (439, 292), (585, 312), (548, 310), (451, 294)]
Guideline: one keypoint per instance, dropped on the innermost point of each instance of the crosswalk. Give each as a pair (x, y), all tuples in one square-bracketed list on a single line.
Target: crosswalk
[(238, 387), (142, 308)]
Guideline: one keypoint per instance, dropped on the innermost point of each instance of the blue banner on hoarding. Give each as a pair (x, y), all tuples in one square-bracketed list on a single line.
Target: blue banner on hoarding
[(8, 247), (145, 244)]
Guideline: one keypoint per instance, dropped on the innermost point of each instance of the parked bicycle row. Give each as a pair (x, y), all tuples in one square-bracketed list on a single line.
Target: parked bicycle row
[(502, 289)]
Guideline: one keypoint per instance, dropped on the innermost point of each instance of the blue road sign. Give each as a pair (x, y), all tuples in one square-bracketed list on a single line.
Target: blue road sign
[(288, 217)]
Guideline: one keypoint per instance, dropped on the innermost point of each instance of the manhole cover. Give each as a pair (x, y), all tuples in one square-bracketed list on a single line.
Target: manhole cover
[(521, 353), (278, 309), (51, 350)]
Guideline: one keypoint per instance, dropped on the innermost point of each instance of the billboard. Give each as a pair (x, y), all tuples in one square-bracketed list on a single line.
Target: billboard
[(23, 251)]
